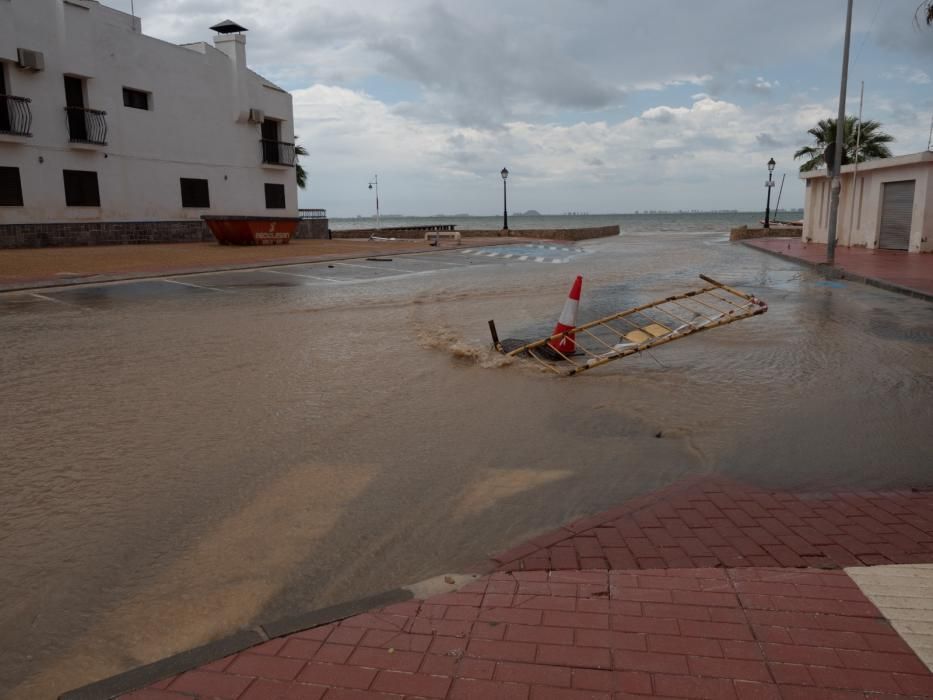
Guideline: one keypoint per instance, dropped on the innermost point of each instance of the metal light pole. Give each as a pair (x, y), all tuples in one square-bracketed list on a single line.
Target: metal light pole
[(505, 205), (768, 185), (375, 184), (836, 165)]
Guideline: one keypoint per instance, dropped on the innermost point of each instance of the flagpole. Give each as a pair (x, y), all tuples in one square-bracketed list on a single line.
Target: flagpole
[(836, 167), (858, 143)]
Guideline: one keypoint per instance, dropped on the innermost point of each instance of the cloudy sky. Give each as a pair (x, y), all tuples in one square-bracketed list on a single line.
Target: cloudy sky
[(601, 106)]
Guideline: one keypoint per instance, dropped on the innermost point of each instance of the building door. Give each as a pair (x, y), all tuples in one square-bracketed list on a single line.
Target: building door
[(74, 101), (270, 141), (897, 206)]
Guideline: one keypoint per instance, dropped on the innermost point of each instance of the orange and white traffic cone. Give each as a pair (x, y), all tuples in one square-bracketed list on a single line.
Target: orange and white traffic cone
[(568, 320)]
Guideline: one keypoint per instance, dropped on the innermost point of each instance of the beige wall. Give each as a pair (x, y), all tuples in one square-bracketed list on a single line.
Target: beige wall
[(859, 222)]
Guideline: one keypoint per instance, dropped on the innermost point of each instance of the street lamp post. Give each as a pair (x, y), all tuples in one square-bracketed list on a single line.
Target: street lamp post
[(769, 184), (375, 185), (505, 203)]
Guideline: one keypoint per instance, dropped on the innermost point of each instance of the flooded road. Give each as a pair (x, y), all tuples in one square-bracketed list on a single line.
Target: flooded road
[(181, 458)]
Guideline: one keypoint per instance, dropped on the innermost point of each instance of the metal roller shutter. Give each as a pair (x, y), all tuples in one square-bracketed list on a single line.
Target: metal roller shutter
[(896, 210)]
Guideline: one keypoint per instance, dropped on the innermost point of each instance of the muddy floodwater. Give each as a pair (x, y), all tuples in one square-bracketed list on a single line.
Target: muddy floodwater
[(180, 459)]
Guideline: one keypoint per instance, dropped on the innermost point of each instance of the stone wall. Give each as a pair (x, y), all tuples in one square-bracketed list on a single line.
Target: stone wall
[(125, 232), (744, 232), (312, 228), (553, 234), (102, 233)]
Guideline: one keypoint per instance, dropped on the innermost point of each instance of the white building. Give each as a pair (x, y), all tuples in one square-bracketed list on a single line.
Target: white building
[(890, 205), (108, 135)]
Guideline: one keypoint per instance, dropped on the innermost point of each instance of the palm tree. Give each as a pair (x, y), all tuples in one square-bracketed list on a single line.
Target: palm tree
[(872, 143), (300, 175), (924, 12)]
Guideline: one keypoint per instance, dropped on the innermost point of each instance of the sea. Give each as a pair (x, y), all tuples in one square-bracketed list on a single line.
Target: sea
[(679, 222)]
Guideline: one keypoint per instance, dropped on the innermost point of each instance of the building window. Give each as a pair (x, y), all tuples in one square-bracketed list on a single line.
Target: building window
[(11, 189), (137, 99), (81, 188), (275, 196), (194, 193)]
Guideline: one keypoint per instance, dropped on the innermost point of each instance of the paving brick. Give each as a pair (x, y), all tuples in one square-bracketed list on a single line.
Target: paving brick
[(279, 690), (472, 689), (347, 694), (387, 659), (652, 662), (715, 630), (729, 668), (749, 690), (263, 666), (333, 653), (482, 669), (545, 693), (533, 674), (556, 618), (790, 674), (539, 634), (880, 661), (676, 644), (692, 687), (501, 651), (629, 623), (210, 684), (439, 664), (853, 679), (338, 675), (610, 639), (418, 684), (574, 656)]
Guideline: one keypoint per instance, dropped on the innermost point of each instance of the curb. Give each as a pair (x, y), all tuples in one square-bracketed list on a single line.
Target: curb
[(142, 676), (841, 273), (182, 272)]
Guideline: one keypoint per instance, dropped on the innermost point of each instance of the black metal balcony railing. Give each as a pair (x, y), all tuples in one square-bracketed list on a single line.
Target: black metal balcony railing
[(277, 152), (312, 213), (87, 125), (15, 115)]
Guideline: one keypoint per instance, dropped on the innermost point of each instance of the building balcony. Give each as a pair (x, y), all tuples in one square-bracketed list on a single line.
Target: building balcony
[(312, 213), (87, 126), (15, 115), (277, 152)]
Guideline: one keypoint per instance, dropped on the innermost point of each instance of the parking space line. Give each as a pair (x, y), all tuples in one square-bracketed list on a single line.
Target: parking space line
[(310, 277), (373, 267), (57, 301), (434, 262), (196, 286), (523, 258), (539, 259)]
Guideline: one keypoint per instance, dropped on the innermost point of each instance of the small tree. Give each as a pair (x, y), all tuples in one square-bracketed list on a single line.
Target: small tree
[(872, 143)]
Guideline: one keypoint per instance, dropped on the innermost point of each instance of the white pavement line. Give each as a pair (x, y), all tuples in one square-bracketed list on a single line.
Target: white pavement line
[(558, 260), (190, 284), (539, 259), (53, 299), (310, 277), (508, 255), (492, 253), (374, 267), (904, 595), (436, 262), (523, 258)]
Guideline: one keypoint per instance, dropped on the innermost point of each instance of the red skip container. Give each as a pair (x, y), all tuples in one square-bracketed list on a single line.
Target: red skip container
[(252, 230)]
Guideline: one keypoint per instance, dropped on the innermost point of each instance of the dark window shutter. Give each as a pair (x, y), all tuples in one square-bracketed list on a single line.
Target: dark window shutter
[(195, 193), (81, 188), (275, 196), (11, 189)]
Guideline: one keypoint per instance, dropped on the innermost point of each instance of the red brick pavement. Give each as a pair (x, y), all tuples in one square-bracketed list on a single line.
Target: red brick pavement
[(740, 634), (708, 631), (910, 270), (713, 522)]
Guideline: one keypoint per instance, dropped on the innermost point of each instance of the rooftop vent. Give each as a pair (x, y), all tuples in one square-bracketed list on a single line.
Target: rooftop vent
[(228, 26)]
